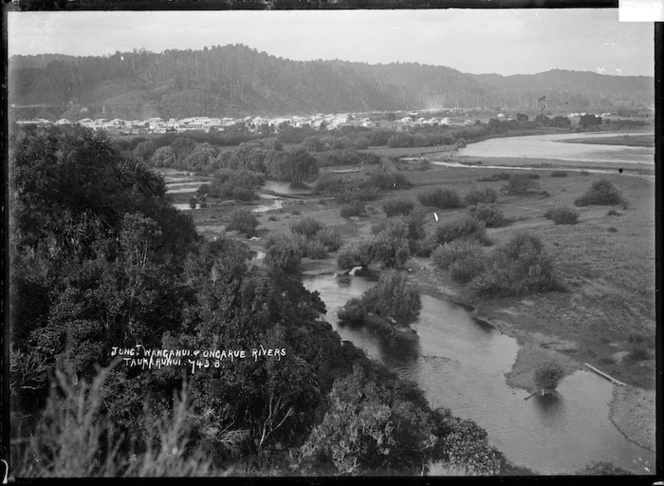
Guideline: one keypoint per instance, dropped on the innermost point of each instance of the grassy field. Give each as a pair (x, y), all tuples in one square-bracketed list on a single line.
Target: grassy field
[(634, 140)]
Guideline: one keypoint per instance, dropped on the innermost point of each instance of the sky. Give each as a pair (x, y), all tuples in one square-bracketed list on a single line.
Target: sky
[(510, 41)]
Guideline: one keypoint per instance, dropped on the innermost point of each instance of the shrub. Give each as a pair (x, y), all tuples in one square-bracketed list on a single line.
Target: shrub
[(584, 173), (273, 218), (468, 267), (520, 184), (75, 438), (612, 229), (562, 215), (482, 194), (490, 214), (602, 192), (306, 226), (548, 375), (394, 296), (314, 249), (243, 221), (518, 267), (401, 205), (355, 209), (388, 180), (445, 255), (389, 245), (558, 173), (330, 239), (283, 253), (464, 227), (613, 212), (354, 256), (353, 312), (440, 198)]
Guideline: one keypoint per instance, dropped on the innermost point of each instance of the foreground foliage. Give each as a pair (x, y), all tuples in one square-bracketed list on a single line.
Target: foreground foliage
[(101, 260)]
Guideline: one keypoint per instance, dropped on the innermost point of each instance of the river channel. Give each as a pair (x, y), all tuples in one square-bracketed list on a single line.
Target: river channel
[(461, 363), (550, 146)]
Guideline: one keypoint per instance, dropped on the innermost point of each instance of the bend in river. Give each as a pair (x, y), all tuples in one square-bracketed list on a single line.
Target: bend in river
[(460, 363)]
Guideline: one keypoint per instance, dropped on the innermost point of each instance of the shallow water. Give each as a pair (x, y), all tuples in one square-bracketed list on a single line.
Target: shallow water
[(460, 363), (550, 147)]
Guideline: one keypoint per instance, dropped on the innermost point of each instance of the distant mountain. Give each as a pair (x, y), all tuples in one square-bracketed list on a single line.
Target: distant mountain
[(235, 80), (561, 87)]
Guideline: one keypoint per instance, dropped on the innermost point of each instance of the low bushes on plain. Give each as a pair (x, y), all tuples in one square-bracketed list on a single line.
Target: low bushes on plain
[(519, 267), (481, 194), (521, 183), (464, 227), (440, 198), (602, 192), (492, 216), (562, 215), (398, 206)]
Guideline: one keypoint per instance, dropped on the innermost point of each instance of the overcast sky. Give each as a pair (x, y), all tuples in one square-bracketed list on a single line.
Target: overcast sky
[(476, 41)]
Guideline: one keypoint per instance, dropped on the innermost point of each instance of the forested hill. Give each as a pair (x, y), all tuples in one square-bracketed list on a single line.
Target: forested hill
[(561, 87), (235, 80)]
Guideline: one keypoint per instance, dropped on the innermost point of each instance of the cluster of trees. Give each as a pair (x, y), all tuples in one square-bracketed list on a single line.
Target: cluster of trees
[(556, 121), (405, 139)]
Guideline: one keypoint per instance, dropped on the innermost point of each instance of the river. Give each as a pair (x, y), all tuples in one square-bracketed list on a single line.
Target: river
[(550, 147), (460, 363)]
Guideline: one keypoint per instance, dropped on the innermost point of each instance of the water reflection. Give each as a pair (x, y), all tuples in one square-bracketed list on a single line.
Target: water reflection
[(550, 409)]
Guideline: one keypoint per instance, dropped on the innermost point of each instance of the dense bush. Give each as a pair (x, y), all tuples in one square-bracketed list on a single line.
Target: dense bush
[(244, 221), (394, 296), (314, 239), (354, 256), (440, 198), (520, 266), (398, 206), (307, 226), (464, 227), (548, 375), (482, 194), (464, 259), (353, 312), (390, 245), (283, 253), (562, 215), (492, 216), (602, 192), (520, 184), (233, 184), (388, 180), (445, 255)]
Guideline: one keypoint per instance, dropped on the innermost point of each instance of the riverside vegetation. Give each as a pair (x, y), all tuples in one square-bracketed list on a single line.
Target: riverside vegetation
[(136, 269), (100, 259)]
